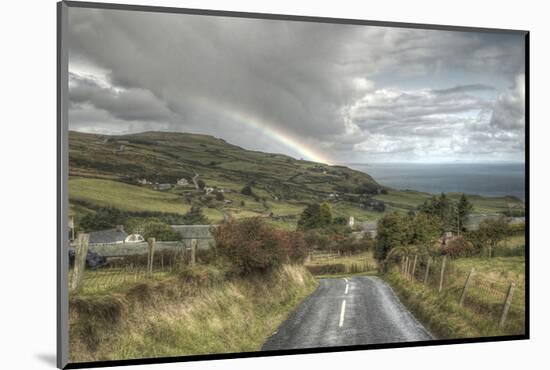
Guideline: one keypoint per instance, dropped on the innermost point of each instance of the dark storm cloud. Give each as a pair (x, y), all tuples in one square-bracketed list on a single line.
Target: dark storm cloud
[(323, 84), (130, 105)]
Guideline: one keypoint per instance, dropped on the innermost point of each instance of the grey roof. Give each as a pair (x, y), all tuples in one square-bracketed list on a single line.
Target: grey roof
[(107, 236), (194, 231), (368, 225)]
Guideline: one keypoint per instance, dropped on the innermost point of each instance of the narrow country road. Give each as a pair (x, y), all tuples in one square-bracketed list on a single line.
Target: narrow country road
[(351, 311)]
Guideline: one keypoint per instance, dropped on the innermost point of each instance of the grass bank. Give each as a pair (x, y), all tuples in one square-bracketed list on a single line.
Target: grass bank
[(480, 314), (199, 311)]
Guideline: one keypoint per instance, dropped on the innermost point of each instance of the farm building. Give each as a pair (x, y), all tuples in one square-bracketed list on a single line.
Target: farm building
[(143, 182), (202, 233), (134, 238), (163, 186), (114, 236), (110, 236), (182, 182), (367, 227)]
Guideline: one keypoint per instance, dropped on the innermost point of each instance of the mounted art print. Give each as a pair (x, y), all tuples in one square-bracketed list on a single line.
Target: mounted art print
[(240, 184)]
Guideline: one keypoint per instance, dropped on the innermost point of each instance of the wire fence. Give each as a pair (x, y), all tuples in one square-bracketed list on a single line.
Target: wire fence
[(115, 272), (501, 301)]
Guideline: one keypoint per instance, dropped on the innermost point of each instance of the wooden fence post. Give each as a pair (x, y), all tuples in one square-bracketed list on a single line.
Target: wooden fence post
[(193, 251), (414, 267), (443, 263), (150, 255), (463, 295), (427, 271), (81, 251), (507, 304)]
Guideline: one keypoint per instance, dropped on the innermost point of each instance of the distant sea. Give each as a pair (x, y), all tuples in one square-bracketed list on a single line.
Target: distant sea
[(492, 180)]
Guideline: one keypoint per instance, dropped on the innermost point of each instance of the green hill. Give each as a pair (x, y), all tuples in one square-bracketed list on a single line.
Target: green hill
[(107, 170)]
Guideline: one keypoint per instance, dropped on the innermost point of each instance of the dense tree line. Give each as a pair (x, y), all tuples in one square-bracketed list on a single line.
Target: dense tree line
[(419, 231)]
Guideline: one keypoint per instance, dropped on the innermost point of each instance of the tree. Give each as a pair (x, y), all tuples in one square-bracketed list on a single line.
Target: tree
[(103, 218), (195, 216), (340, 220), (393, 230), (247, 190), (201, 184), (442, 208), (325, 215), (425, 232), (310, 217), (492, 231), (151, 227), (315, 216), (464, 208)]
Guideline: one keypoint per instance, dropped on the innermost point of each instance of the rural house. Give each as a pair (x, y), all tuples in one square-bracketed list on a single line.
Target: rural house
[(368, 227), (144, 182), (109, 236), (114, 236), (134, 238), (163, 186), (182, 182)]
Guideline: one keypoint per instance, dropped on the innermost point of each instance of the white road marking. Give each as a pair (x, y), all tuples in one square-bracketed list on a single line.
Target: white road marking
[(342, 312), (346, 280), (347, 286)]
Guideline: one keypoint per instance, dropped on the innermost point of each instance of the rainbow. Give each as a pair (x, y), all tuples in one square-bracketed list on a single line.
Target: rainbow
[(274, 132)]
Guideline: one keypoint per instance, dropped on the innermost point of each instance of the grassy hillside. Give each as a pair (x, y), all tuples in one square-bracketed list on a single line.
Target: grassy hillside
[(479, 316), (199, 311), (104, 170)]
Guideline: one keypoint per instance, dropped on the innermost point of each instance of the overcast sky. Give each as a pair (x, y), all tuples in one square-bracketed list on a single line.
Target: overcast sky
[(325, 92)]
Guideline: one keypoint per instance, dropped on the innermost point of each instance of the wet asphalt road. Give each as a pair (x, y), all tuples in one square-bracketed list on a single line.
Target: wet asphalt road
[(343, 312)]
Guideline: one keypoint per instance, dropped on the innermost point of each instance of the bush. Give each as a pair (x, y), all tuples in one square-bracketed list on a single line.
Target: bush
[(160, 231), (459, 247), (253, 246), (195, 217), (103, 218), (293, 245), (316, 240), (247, 190)]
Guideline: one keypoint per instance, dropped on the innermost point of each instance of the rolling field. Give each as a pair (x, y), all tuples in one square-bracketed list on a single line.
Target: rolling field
[(123, 196), (102, 169)]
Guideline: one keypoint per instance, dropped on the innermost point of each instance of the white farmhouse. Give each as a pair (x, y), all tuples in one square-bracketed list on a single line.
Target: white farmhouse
[(182, 182)]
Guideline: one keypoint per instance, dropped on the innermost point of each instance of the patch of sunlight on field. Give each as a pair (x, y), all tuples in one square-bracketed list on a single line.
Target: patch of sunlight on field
[(124, 196)]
